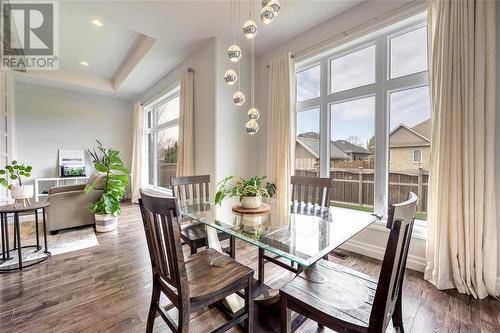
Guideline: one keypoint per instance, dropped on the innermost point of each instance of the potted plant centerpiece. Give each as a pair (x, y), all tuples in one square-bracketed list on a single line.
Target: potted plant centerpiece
[(114, 179), (250, 191), (15, 172)]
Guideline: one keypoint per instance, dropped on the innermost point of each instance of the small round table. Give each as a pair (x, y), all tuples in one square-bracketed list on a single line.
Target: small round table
[(11, 209)]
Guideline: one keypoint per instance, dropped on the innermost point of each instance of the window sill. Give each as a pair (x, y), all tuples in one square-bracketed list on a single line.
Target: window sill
[(419, 229), (419, 226)]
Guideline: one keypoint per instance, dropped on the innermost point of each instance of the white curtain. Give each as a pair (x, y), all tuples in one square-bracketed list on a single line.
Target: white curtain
[(462, 235), (280, 125), (185, 163), (137, 145)]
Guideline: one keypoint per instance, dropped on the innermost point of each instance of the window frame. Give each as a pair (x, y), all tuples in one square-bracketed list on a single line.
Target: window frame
[(380, 89), (153, 108), (344, 53), (398, 33), (413, 153), (303, 69)]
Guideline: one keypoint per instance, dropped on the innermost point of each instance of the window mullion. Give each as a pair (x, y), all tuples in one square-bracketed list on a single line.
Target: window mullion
[(155, 145), (169, 124), (381, 185), (324, 131), (352, 94), (408, 82)]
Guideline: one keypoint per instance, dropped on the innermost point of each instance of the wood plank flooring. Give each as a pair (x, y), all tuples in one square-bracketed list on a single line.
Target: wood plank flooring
[(107, 288)]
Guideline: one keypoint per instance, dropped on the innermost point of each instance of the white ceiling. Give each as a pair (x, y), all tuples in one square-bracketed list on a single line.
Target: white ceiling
[(172, 30)]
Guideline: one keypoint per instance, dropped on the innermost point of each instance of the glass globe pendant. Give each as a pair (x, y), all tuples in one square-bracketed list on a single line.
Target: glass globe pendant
[(234, 53), (250, 29), (267, 15), (274, 4), (239, 98), (252, 127), (230, 77), (253, 113)]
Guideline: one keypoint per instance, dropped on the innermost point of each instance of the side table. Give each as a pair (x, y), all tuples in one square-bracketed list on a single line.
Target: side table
[(6, 251)]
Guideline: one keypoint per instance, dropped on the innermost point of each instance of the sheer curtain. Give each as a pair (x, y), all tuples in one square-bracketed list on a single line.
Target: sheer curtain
[(462, 235), (137, 147), (185, 163), (280, 125)]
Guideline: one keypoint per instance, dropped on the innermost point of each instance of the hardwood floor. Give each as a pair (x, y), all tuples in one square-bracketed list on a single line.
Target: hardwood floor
[(107, 288)]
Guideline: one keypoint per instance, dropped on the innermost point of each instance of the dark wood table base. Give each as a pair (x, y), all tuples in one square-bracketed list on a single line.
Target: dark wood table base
[(267, 311)]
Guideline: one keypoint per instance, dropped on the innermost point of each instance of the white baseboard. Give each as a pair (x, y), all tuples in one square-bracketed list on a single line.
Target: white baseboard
[(377, 252)]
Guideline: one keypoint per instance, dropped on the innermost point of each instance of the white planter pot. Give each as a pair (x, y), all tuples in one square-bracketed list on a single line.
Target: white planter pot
[(251, 223), (251, 202), (21, 192), (105, 222)]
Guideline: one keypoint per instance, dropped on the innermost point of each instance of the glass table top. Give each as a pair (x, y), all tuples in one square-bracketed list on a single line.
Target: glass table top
[(298, 232)]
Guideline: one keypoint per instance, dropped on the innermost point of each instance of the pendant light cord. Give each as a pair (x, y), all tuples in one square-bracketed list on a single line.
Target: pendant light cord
[(252, 70), (236, 29)]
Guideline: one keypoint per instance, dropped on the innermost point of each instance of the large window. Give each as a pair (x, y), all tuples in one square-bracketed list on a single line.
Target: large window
[(162, 133), (366, 106)]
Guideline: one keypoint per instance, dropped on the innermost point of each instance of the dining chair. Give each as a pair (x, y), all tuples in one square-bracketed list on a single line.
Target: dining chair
[(310, 195), (313, 191), (192, 284), (346, 300), (194, 234)]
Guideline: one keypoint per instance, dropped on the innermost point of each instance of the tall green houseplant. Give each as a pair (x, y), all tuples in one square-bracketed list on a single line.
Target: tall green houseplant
[(115, 179)]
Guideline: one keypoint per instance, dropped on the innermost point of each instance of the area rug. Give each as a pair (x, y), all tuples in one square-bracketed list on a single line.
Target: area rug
[(65, 241)]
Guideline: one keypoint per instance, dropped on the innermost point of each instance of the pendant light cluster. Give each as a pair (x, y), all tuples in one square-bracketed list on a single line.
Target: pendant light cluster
[(269, 11)]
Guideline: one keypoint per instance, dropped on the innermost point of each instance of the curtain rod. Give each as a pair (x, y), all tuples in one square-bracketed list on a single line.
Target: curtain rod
[(163, 91), (415, 4)]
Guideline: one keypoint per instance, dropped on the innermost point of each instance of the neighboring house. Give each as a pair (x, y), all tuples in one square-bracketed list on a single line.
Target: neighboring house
[(307, 152), (410, 148), (355, 152)]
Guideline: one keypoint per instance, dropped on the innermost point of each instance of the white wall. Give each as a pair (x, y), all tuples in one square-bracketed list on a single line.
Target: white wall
[(48, 119), (497, 133), (235, 149), (371, 242), (203, 62), (221, 144)]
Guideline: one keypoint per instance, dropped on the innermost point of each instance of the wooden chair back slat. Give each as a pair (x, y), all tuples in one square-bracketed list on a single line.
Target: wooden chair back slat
[(160, 246), (191, 187), (311, 190), (196, 191), (162, 228), (400, 221)]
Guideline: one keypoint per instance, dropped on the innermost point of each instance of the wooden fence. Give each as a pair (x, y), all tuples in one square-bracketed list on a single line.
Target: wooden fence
[(365, 164), (357, 186)]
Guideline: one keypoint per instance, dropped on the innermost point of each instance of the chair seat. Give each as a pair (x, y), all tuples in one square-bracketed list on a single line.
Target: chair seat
[(207, 280), (195, 231), (335, 291)]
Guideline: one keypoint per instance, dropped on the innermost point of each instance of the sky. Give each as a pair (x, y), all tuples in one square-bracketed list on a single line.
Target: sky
[(357, 117)]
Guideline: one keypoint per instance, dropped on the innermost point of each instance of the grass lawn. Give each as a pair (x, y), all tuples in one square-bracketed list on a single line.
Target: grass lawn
[(419, 215), (351, 206)]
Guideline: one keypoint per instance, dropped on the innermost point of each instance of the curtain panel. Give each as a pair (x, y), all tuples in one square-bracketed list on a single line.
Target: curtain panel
[(280, 125), (136, 181), (185, 152), (462, 227)]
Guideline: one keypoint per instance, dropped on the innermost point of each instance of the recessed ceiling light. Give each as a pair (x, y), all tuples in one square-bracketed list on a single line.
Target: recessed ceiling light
[(97, 23), (84, 63)]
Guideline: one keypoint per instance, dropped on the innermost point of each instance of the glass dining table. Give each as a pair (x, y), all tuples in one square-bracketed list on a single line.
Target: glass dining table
[(299, 233)]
